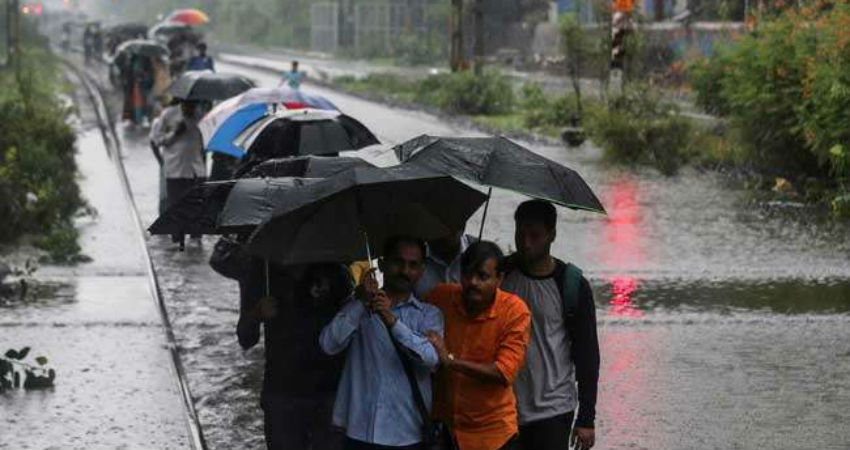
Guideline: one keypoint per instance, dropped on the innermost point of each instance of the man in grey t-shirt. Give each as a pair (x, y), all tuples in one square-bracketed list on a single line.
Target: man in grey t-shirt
[(562, 362)]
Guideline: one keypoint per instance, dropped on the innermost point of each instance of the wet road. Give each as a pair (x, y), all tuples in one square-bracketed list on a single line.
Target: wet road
[(722, 324)]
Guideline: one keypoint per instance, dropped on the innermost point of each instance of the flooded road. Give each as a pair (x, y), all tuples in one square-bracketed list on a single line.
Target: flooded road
[(722, 324)]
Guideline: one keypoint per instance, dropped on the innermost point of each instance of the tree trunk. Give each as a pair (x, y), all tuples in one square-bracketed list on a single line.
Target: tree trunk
[(479, 36), (456, 24)]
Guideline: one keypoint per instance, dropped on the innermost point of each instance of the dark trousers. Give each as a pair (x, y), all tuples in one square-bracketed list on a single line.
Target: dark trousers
[(300, 422), (512, 444), (175, 189), (547, 434), (351, 444)]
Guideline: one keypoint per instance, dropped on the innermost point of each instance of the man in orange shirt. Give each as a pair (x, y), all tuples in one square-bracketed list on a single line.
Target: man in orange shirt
[(486, 332)]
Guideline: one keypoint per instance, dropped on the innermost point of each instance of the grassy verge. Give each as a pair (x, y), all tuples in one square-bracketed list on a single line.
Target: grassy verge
[(638, 126), (39, 195)]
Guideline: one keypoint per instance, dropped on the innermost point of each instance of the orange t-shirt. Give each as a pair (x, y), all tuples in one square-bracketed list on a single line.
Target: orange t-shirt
[(625, 6), (483, 416)]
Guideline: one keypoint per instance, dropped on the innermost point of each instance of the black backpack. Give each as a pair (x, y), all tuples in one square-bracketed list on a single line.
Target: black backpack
[(568, 276)]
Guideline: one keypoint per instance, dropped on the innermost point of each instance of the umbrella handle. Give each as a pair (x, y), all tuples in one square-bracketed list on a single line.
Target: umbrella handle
[(484, 217), (368, 249), (369, 257)]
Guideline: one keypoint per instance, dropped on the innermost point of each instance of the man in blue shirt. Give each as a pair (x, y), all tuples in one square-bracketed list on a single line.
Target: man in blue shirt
[(442, 261), (293, 77), (374, 400), (201, 61)]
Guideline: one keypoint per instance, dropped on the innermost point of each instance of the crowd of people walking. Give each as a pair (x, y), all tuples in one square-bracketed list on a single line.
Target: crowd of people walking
[(458, 347), (463, 348)]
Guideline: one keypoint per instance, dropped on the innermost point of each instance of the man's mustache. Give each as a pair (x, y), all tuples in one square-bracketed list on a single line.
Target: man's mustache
[(401, 277)]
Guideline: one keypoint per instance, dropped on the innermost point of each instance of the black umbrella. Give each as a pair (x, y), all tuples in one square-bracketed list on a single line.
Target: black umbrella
[(253, 200), (196, 212), (500, 162), (143, 47), (342, 217), (305, 166), (225, 207), (127, 29), (304, 132), (208, 85)]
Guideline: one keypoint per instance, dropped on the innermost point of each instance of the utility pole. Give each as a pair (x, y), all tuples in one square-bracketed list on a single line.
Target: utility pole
[(479, 36), (456, 25)]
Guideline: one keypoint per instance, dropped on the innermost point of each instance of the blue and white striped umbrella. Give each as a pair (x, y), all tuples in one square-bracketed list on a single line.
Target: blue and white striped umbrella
[(225, 122)]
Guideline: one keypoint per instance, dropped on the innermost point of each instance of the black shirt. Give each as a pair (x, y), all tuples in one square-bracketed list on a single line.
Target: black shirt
[(306, 302)]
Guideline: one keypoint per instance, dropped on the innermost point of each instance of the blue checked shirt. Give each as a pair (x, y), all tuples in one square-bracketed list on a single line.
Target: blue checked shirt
[(374, 402)]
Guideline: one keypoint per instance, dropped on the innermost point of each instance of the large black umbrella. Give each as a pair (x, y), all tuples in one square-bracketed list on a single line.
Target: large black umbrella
[(129, 29), (225, 207), (500, 162), (208, 85), (304, 132), (196, 212), (143, 47), (305, 166), (253, 200), (342, 217)]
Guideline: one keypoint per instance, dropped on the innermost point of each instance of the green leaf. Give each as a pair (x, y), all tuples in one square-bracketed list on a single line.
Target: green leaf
[(837, 150), (41, 360), (11, 354), (22, 353)]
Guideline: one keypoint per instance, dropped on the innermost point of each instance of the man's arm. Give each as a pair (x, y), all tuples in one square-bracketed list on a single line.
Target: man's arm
[(336, 335), (415, 342), (248, 326), (509, 355), (585, 354), (156, 153)]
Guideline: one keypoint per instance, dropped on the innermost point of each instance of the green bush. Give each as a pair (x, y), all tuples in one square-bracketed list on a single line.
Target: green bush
[(383, 84), (465, 93), (706, 76), (786, 88), (61, 245), (37, 166), (639, 127)]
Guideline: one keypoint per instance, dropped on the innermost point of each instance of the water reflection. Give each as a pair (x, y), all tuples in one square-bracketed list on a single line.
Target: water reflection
[(622, 302), (625, 390), (623, 246)]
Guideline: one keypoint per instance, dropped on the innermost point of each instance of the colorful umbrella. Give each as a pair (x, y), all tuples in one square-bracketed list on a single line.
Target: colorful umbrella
[(192, 17), (230, 118)]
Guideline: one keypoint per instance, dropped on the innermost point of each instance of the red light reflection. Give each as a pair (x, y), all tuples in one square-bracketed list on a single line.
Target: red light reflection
[(622, 246), (622, 303)]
